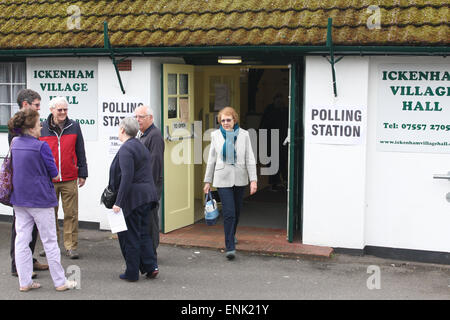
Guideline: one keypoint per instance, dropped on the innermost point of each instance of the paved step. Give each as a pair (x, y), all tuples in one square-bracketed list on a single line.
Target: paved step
[(250, 239)]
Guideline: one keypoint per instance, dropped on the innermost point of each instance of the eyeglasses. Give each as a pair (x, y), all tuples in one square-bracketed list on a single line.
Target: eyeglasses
[(141, 117), (62, 110), (226, 120), (36, 104)]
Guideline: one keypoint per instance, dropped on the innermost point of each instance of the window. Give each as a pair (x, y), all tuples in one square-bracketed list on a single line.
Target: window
[(12, 80), (178, 95)]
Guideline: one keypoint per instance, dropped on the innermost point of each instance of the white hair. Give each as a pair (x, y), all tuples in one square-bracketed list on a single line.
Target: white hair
[(149, 111), (58, 101)]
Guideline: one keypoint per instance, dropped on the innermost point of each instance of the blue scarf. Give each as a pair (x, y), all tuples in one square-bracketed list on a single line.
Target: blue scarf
[(228, 146)]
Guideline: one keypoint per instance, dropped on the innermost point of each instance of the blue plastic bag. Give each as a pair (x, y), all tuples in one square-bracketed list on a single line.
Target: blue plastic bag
[(211, 211)]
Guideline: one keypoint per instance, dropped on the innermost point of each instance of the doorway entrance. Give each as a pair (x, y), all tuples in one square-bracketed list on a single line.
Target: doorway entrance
[(261, 96)]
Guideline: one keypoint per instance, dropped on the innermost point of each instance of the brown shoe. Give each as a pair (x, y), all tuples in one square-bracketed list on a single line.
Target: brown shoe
[(72, 254), (39, 266)]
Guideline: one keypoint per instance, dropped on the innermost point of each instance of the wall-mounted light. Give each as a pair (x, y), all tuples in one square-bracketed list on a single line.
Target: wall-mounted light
[(229, 60)]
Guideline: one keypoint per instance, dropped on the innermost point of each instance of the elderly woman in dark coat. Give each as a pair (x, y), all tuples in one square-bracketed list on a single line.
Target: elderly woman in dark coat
[(130, 176)]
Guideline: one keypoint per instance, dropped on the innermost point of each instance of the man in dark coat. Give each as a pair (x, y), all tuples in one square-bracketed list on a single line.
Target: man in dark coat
[(152, 139)]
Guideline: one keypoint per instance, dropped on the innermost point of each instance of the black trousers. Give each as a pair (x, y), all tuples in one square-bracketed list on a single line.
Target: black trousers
[(136, 243), (154, 227), (13, 243), (232, 199)]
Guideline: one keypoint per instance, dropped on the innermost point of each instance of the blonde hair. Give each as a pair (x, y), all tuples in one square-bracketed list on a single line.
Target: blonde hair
[(228, 111)]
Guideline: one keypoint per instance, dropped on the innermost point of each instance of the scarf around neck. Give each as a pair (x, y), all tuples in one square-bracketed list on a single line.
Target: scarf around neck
[(228, 149)]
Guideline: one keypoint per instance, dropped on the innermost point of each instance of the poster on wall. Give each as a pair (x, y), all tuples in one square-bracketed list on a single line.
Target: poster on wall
[(112, 111), (75, 79), (344, 125), (413, 108)]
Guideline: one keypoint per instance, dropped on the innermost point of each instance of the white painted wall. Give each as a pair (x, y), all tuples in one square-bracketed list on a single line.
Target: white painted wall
[(136, 83), (334, 175), (357, 196), (406, 206), (142, 82)]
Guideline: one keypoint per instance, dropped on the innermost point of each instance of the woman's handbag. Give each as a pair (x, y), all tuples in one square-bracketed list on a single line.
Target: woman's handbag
[(6, 184), (108, 198), (211, 211)]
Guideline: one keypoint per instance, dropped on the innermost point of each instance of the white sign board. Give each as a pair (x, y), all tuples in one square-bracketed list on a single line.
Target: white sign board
[(113, 110), (413, 108), (336, 124), (75, 79)]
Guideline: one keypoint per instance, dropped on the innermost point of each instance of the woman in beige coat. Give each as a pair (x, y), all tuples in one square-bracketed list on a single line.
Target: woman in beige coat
[(231, 164)]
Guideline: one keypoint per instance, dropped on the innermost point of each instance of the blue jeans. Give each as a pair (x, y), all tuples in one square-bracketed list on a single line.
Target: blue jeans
[(136, 243), (231, 199)]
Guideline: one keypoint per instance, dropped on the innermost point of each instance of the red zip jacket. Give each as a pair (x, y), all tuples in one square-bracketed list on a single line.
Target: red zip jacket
[(67, 147)]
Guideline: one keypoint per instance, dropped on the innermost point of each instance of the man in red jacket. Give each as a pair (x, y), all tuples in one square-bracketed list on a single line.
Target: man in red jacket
[(66, 142)]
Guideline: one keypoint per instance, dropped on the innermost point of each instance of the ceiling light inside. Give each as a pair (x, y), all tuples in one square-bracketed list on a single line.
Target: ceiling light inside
[(229, 60)]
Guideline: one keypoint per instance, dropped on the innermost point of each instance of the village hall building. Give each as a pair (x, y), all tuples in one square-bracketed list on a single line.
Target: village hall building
[(366, 87)]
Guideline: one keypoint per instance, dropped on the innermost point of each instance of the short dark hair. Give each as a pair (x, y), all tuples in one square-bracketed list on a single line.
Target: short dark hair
[(27, 95)]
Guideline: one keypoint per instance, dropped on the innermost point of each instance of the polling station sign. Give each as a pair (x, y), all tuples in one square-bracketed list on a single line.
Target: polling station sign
[(112, 111), (344, 125), (413, 109)]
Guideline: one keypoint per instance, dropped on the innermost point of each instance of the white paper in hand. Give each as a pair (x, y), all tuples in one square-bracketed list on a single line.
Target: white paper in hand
[(116, 221)]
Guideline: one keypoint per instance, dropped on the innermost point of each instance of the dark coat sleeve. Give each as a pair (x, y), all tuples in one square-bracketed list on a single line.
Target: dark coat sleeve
[(155, 144), (126, 163), (81, 154)]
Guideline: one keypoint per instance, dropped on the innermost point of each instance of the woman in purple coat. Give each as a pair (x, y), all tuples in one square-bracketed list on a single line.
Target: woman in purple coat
[(34, 198)]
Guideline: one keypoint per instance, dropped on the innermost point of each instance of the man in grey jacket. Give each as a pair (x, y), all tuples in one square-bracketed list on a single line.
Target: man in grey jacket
[(152, 139)]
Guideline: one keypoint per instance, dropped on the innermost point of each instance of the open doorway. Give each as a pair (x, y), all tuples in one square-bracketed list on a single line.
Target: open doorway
[(261, 97), (264, 106)]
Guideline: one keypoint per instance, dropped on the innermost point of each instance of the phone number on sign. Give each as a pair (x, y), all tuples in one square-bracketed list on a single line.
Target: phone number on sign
[(417, 126)]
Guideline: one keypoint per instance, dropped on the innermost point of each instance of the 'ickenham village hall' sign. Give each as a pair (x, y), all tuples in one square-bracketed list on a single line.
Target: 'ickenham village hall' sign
[(413, 108), (71, 79)]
